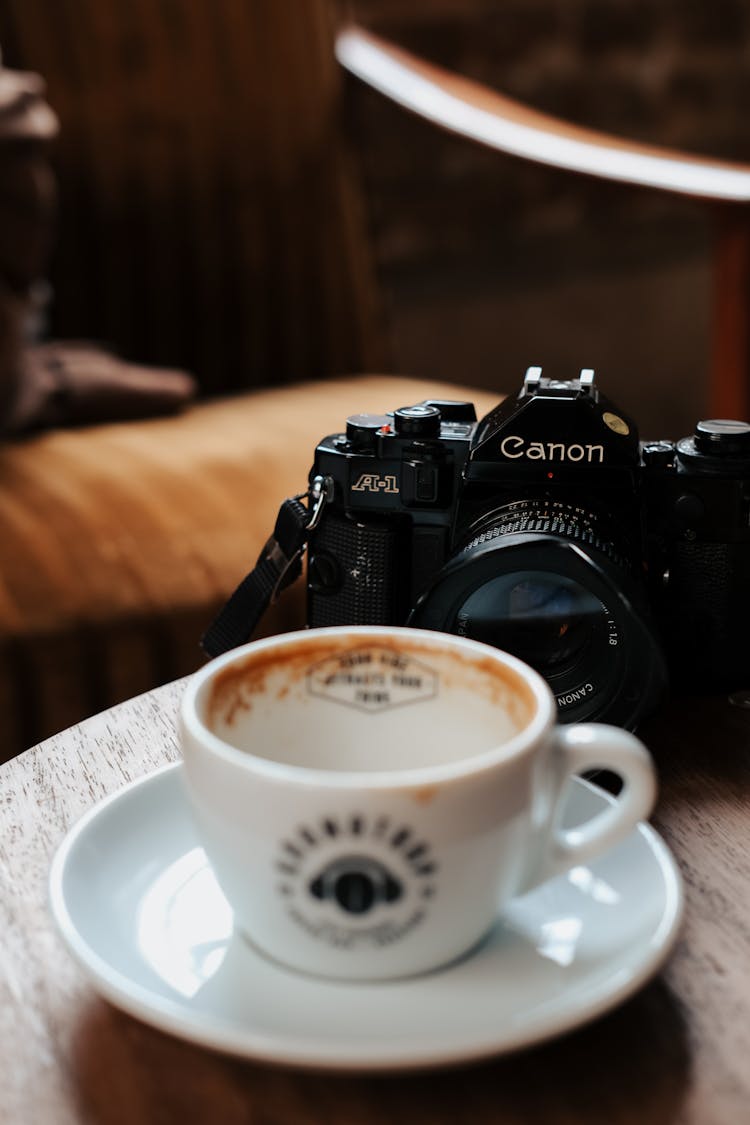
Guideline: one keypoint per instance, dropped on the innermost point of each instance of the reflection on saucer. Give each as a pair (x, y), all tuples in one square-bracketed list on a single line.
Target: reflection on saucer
[(184, 902), (558, 939), (584, 880)]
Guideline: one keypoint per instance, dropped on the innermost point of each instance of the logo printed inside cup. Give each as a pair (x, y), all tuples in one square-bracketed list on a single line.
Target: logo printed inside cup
[(373, 678), (355, 882)]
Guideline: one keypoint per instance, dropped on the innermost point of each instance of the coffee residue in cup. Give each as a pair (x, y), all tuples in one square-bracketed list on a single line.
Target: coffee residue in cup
[(237, 686)]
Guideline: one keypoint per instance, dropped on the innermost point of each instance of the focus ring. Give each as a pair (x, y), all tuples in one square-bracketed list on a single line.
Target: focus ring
[(565, 525)]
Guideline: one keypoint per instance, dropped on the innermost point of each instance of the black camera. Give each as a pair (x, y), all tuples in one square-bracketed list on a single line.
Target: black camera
[(548, 530)]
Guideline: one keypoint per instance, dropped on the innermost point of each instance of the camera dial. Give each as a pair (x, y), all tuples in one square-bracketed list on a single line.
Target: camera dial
[(718, 445), (421, 421), (722, 437), (362, 429)]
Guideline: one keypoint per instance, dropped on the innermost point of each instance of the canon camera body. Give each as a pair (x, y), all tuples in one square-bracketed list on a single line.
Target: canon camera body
[(549, 530)]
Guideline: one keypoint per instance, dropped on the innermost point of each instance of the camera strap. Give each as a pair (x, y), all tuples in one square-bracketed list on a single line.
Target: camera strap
[(278, 565)]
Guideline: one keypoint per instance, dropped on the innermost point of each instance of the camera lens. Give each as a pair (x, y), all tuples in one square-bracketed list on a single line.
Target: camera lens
[(546, 620), (550, 583)]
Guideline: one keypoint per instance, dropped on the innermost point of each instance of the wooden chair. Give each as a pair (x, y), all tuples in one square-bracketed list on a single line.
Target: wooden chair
[(472, 110)]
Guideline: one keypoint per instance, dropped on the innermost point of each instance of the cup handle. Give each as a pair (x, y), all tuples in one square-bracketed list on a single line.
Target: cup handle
[(591, 746)]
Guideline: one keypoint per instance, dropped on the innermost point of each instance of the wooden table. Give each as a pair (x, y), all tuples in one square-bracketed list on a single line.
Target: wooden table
[(679, 1051)]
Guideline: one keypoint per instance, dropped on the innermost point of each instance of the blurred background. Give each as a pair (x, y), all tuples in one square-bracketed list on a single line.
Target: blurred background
[(231, 203), (490, 263), (484, 263)]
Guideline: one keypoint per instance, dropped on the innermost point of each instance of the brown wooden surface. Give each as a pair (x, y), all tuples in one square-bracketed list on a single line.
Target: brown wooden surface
[(676, 1052)]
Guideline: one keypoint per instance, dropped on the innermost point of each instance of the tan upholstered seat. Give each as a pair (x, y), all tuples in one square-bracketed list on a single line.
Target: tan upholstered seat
[(118, 543)]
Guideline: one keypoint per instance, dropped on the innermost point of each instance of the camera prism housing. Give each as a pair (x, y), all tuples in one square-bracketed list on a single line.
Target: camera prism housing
[(547, 529)]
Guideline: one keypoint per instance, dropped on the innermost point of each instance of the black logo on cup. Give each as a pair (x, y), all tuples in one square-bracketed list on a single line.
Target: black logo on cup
[(355, 882)]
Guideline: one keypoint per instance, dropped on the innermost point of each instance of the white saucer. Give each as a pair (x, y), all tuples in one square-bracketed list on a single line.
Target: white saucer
[(137, 903)]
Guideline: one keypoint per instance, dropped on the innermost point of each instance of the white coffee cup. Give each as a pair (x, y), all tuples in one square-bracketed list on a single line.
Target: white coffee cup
[(369, 798)]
